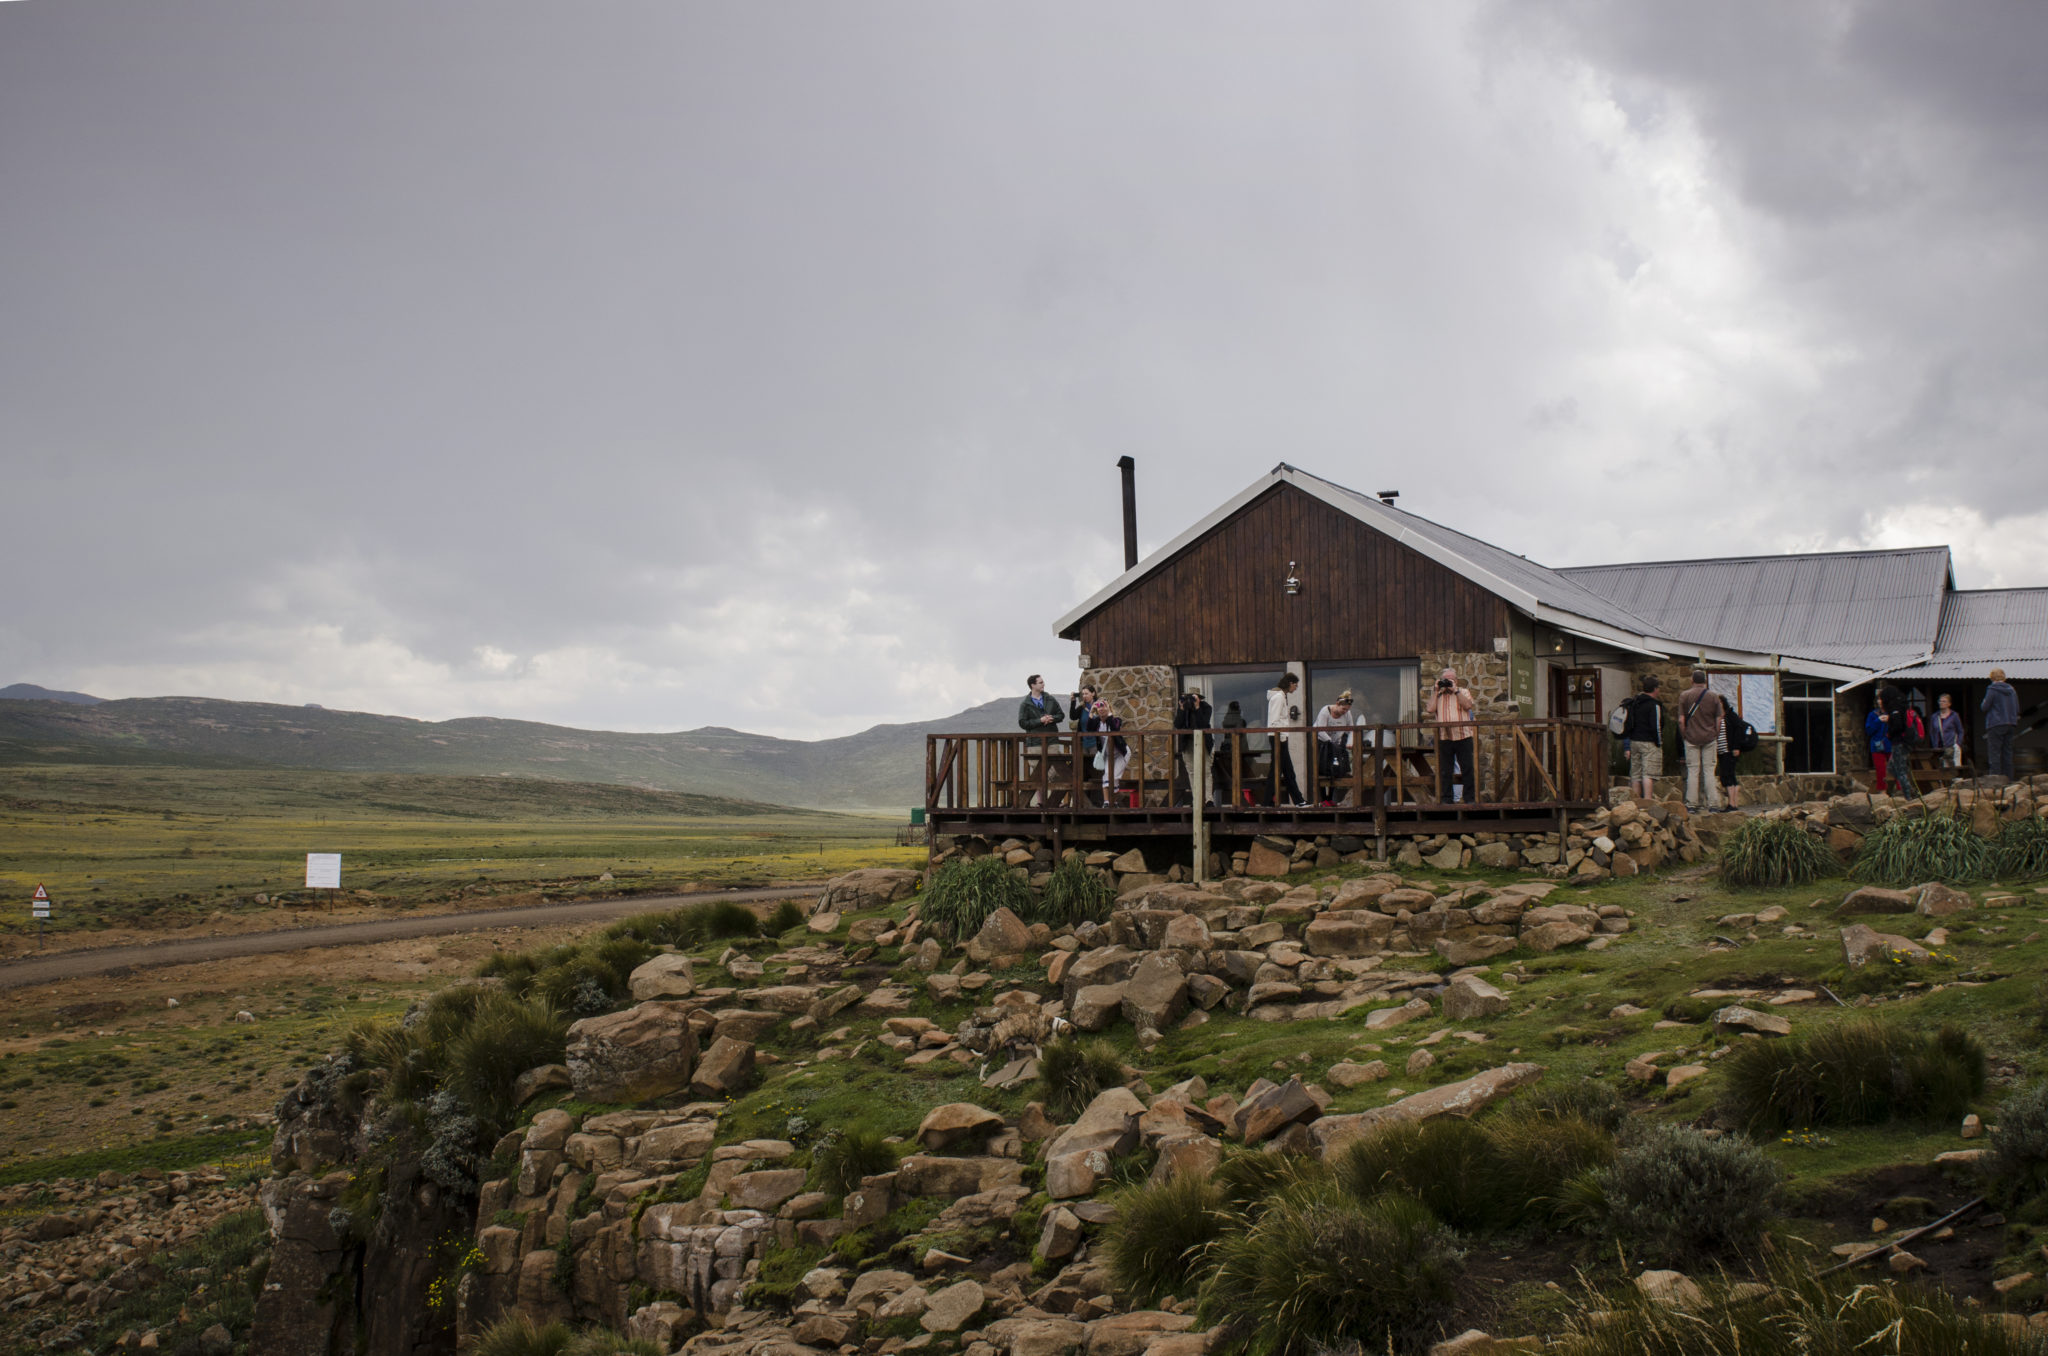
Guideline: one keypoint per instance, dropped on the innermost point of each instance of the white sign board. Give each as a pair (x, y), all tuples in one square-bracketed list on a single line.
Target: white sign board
[(323, 871), (40, 903)]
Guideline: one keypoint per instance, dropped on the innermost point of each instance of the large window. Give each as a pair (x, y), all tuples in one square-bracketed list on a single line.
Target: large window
[(1247, 686), (1382, 694), (1810, 722)]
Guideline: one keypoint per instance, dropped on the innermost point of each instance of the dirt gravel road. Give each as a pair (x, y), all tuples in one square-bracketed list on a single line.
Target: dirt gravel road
[(187, 950)]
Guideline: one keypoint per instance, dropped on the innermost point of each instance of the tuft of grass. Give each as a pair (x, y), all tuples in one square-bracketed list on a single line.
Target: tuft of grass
[(1775, 852), (1073, 895), (518, 1335), (842, 1157), (1156, 1242), (1857, 1072), (965, 891), (2017, 1167), (1071, 1073), (1320, 1271), (1903, 851), (786, 915), (1799, 1315), (1540, 1156), (1450, 1164), (504, 1037), (1248, 1178), (2021, 850), (1585, 1098), (1675, 1195)]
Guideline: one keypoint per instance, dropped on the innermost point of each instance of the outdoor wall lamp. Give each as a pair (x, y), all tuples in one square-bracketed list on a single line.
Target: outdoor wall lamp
[(1293, 584)]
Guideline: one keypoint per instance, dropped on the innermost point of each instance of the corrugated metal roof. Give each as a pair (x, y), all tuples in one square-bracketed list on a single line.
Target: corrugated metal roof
[(1982, 629), (1869, 609), (1550, 586)]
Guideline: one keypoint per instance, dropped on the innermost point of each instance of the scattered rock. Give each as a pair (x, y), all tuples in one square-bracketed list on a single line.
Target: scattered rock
[(1470, 997), (1737, 1020), (944, 1126), (662, 977), (1672, 1289), (1862, 945), (630, 1056)]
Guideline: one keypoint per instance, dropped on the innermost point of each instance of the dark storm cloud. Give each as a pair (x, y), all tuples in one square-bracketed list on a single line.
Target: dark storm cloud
[(654, 365)]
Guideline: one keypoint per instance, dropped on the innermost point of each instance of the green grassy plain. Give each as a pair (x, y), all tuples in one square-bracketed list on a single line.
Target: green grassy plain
[(143, 846)]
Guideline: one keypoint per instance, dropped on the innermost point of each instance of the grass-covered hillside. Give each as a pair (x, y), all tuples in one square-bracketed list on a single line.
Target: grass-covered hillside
[(154, 845), (881, 768)]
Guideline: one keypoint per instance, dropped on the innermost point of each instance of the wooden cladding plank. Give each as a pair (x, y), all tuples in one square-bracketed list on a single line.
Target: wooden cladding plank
[(1222, 601)]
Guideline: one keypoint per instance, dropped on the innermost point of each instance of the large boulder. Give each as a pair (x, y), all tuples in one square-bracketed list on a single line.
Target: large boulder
[(1096, 1007), (1102, 965), (663, 977), (1264, 861), (1352, 933), (1469, 996), (1464, 1098), (944, 1126), (1469, 946), (726, 1068), (1156, 994), (1935, 900), (1003, 934), (1862, 944), (1737, 1020), (1271, 1111), (646, 1051), (870, 887), (1110, 1124), (1875, 899)]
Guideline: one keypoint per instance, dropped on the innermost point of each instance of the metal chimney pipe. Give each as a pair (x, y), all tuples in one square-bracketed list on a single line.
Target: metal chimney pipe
[(1129, 469)]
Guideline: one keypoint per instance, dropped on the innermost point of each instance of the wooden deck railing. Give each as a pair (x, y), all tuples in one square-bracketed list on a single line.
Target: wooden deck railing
[(1520, 763)]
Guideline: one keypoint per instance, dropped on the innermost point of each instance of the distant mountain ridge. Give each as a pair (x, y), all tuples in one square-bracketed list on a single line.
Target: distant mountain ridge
[(29, 692), (881, 768)]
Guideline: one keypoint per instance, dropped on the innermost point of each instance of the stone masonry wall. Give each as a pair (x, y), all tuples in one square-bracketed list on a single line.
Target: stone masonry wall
[(1144, 695), (1484, 672)]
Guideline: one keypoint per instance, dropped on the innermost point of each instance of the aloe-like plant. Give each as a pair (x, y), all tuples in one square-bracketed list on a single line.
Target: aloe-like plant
[(1770, 852)]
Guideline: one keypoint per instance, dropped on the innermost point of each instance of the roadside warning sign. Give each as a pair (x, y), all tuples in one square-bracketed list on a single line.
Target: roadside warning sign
[(40, 903)]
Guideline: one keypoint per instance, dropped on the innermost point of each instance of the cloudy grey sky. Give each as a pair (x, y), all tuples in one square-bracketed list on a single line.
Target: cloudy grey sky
[(650, 365)]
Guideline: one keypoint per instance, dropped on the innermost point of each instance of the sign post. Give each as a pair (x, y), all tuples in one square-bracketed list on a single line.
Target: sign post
[(323, 871), (39, 905)]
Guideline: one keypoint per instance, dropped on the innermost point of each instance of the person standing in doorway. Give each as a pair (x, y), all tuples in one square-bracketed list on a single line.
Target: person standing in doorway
[(1283, 712), (1948, 731), (1450, 710), (2001, 724), (1644, 736), (1702, 728), (1907, 732)]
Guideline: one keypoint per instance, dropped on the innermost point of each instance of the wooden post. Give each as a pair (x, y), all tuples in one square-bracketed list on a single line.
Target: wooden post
[(1198, 794)]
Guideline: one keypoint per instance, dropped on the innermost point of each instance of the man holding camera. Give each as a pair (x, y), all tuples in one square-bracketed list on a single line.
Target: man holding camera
[(1450, 710)]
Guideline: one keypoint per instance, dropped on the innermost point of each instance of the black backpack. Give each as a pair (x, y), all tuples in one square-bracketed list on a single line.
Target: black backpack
[(1741, 734)]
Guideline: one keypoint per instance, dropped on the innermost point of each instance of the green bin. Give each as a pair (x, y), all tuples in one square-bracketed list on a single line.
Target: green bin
[(916, 815)]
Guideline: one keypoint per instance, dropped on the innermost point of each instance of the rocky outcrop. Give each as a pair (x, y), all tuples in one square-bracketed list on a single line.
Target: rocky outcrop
[(643, 1052)]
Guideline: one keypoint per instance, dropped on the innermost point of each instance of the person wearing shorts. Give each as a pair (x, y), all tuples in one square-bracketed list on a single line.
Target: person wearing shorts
[(1644, 737)]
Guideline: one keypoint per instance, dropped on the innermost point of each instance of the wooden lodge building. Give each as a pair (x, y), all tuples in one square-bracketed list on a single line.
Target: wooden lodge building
[(1349, 592)]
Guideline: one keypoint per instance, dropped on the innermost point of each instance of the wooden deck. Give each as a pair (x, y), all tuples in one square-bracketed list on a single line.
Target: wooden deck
[(1532, 775)]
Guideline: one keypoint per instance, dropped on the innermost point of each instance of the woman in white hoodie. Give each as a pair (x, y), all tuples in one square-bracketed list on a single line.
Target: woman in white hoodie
[(1283, 712)]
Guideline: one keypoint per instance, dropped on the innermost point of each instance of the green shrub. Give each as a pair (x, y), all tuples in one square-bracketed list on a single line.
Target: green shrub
[(1903, 851), (505, 1037), (1676, 1195), (1857, 1072), (788, 914), (1539, 1156), (842, 1157), (1319, 1271), (1450, 1164), (1800, 1314), (2020, 851), (1771, 852), (519, 1335), (965, 891), (690, 926), (2017, 1166), (1156, 1241), (1587, 1099), (1070, 1074), (1249, 1177), (1073, 895)]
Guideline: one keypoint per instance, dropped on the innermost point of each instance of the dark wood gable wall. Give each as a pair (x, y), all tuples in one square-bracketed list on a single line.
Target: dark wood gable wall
[(1222, 601)]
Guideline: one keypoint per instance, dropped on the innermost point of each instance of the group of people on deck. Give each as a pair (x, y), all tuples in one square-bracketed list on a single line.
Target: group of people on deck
[(1339, 733)]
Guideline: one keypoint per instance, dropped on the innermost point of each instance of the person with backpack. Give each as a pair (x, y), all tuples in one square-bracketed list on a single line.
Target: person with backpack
[(1642, 738), (1700, 719), (1738, 737), (2001, 709), (1907, 732)]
